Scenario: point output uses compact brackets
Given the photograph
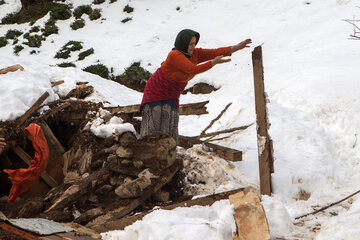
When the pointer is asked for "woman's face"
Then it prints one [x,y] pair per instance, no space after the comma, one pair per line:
[192,45]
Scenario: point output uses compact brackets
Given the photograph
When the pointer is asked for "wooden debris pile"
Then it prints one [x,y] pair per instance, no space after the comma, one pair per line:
[91,180]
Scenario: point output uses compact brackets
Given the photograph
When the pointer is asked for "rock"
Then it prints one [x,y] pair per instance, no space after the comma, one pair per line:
[126,162]
[103,189]
[138,164]
[112,158]
[127,138]
[134,188]
[89,215]
[124,152]
[161,196]
[157,151]
[111,149]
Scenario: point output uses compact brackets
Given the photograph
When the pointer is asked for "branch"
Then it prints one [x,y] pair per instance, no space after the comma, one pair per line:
[332,204]
[214,120]
[223,131]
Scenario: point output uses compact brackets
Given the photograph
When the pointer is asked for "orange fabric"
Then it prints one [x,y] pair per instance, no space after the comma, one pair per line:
[22,178]
[177,67]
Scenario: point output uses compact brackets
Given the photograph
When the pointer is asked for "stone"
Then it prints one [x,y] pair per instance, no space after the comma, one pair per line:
[134,188]
[124,152]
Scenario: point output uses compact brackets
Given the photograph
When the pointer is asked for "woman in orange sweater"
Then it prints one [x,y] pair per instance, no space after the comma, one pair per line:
[160,103]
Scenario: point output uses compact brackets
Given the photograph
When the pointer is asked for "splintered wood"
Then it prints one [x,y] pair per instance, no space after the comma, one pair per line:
[250,217]
[13,68]
[265,149]
[223,152]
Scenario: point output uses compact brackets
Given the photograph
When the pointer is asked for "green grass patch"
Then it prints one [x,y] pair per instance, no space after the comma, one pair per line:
[125,20]
[12,34]
[2,2]
[34,40]
[17,49]
[35,29]
[96,14]
[66,64]
[69,47]
[85,53]
[78,23]
[98,2]
[134,77]
[112,1]
[35,11]
[98,69]
[60,12]
[50,28]
[3,42]
[83,9]
[128,9]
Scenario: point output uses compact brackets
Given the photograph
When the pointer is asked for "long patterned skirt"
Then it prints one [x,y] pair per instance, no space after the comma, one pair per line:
[161,116]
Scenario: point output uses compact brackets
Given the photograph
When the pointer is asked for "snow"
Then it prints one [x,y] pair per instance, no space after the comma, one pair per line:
[310,79]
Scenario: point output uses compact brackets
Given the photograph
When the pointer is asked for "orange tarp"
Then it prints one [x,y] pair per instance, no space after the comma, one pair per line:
[22,178]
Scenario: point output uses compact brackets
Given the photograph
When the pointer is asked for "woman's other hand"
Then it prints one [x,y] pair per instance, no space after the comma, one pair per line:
[220,59]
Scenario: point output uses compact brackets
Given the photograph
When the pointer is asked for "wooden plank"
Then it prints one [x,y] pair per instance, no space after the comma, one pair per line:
[98,223]
[265,151]
[77,190]
[223,152]
[27,159]
[12,68]
[31,110]
[51,138]
[57,109]
[54,84]
[249,217]
[120,224]
[193,108]
[184,109]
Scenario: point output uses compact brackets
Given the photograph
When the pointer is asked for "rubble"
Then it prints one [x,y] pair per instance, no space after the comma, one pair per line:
[95,177]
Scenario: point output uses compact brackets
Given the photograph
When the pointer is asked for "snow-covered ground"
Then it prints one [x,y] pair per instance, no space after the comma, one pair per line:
[310,69]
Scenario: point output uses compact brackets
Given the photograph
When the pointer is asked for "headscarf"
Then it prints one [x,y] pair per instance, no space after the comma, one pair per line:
[183,39]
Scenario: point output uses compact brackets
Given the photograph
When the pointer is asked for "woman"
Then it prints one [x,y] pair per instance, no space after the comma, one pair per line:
[160,103]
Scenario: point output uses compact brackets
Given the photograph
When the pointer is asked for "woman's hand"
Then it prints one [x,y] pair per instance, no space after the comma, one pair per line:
[220,59]
[241,45]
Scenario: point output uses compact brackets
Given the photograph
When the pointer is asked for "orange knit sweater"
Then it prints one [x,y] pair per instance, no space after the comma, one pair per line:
[177,67]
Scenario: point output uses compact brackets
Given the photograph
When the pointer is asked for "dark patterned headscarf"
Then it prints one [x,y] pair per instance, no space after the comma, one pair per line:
[183,39]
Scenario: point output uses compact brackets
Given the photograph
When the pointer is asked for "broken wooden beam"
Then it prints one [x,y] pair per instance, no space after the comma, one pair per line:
[32,109]
[27,159]
[120,224]
[98,223]
[265,150]
[12,68]
[54,84]
[77,190]
[223,131]
[250,218]
[223,152]
[185,109]
[51,138]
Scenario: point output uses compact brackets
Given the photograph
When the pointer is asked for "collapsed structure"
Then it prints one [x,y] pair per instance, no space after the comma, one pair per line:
[90,180]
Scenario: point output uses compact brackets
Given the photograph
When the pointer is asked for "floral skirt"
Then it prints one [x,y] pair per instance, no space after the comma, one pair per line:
[160,116]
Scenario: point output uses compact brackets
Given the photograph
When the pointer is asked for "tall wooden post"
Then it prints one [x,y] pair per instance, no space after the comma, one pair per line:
[264,141]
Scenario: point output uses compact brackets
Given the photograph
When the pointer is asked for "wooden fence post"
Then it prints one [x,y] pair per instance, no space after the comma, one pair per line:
[264,141]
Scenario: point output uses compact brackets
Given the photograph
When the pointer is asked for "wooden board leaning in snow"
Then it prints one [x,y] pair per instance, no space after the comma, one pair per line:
[249,216]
